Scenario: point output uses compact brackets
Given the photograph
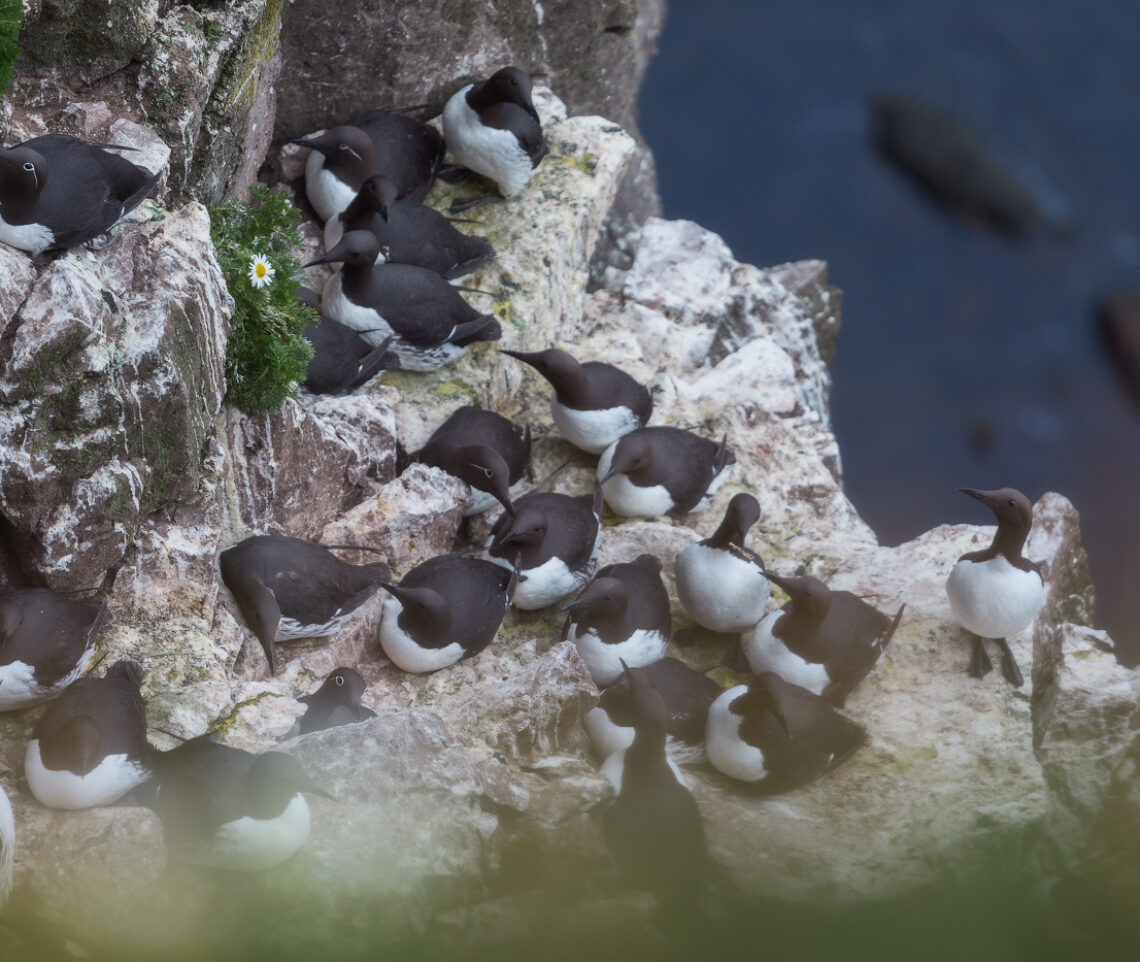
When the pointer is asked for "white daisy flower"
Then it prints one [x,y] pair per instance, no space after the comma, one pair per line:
[260,271]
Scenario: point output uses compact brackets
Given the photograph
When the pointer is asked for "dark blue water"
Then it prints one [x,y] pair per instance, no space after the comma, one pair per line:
[965,359]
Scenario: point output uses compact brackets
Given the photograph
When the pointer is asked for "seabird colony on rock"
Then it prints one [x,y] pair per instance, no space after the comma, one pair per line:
[391,304]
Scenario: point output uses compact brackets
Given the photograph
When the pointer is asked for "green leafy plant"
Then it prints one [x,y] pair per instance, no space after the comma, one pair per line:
[11,12]
[257,246]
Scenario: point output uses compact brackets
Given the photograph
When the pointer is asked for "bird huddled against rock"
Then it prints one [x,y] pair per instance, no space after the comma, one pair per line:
[554,540]
[429,320]
[663,470]
[409,233]
[484,449]
[90,745]
[57,192]
[720,583]
[823,640]
[492,128]
[46,642]
[777,736]
[226,808]
[335,703]
[448,607]
[288,588]
[621,618]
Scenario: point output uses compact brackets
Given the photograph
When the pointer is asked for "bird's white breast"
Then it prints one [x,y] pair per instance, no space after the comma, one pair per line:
[33,238]
[489,151]
[19,689]
[107,782]
[626,498]
[641,648]
[402,649]
[593,431]
[484,501]
[253,844]
[365,320]
[719,590]
[766,652]
[328,194]
[994,599]
[725,748]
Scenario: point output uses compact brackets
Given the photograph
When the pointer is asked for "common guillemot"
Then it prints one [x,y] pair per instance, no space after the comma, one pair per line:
[777,736]
[484,449]
[621,618]
[46,642]
[380,141]
[555,538]
[287,588]
[997,593]
[335,703]
[342,360]
[594,403]
[653,828]
[448,607]
[57,191]
[226,808]
[663,470]
[688,694]
[409,233]
[90,745]
[720,583]
[431,322]
[492,128]
[822,640]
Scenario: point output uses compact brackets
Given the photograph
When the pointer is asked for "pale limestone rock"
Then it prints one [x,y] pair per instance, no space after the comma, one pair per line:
[16,279]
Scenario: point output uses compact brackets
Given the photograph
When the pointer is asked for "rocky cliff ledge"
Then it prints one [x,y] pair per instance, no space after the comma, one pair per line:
[467,807]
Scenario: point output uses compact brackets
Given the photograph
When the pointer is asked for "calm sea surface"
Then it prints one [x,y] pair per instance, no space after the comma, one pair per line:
[966,359]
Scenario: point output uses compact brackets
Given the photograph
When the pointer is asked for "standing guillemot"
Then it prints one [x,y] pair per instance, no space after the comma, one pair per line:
[448,607]
[777,736]
[227,808]
[409,233]
[342,360]
[46,642]
[997,592]
[492,128]
[822,640]
[287,588]
[58,192]
[405,150]
[555,538]
[484,449]
[594,403]
[653,828]
[720,583]
[662,470]
[688,694]
[431,322]
[90,745]
[336,702]
[621,618]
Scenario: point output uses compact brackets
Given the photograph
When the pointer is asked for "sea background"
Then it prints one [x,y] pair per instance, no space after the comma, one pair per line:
[966,358]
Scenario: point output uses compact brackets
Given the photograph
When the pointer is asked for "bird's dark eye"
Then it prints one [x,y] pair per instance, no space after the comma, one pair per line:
[487,472]
[343,147]
[1012,503]
[29,166]
[340,679]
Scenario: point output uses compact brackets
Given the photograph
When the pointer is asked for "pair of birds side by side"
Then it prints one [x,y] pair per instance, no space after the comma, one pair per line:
[58,192]
[490,127]
[644,471]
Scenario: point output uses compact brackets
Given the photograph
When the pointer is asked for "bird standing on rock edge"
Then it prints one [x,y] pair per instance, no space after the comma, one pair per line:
[997,592]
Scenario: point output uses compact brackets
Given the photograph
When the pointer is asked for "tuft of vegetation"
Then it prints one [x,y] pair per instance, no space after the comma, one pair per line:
[11,13]
[267,352]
